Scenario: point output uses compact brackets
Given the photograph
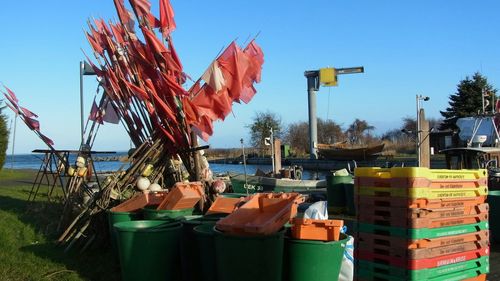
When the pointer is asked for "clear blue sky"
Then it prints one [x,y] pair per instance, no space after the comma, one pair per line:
[407,48]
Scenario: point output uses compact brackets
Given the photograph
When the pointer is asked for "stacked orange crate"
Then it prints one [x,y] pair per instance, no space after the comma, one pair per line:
[421,224]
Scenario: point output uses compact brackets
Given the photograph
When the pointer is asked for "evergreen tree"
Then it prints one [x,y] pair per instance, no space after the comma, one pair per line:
[4,137]
[467,100]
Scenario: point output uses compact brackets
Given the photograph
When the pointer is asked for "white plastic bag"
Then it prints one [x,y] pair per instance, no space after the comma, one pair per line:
[317,211]
[347,267]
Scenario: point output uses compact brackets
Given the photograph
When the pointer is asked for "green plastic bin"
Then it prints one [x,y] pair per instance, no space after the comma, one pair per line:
[314,260]
[114,217]
[494,215]
[149,250]
[350,207]
[189,245]
[206,256]
[336,193]
[150,213]
[249,258]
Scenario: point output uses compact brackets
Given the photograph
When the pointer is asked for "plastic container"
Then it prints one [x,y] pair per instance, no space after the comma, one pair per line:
[398,202]
[314,260]
[190,247]
[481,264]
[422,233]
[149,250]
[204,235]
[335,191]
[494,202]
[423,192]
[466,275]
[263,214]
[403,243]
[424,253]
[368,255]
[152,213]
[350,206]
[249,258]
[140,201]
[323,230]
[431,175]
[115,217]
[225,205]
[183,196]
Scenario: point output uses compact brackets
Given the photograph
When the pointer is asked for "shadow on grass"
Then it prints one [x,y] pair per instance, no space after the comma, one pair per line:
[95,263]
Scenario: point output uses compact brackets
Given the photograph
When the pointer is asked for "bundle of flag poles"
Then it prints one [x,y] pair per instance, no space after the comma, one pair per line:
[145,90]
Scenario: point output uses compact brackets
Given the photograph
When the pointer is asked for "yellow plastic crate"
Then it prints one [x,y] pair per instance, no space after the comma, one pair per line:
[414,172]
[428,193]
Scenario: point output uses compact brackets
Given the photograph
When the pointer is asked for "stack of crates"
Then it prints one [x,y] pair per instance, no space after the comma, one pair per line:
[421,224]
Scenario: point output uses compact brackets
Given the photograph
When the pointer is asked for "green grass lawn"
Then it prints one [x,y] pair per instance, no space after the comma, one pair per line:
[28,233]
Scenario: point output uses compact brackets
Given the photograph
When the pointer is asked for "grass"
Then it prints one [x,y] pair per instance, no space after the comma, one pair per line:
[28,233]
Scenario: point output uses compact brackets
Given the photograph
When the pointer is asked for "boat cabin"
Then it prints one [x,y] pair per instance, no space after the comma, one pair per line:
[472,157]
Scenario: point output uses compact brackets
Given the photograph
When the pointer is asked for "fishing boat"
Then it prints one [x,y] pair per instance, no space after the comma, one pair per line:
[341,152]
[241,183]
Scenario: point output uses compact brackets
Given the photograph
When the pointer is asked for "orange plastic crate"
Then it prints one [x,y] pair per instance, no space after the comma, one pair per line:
[481,277]
[263,214]
[182,196]
[309,229]
[225,205]
[140,201]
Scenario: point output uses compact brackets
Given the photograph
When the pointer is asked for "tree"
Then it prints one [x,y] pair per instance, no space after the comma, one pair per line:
[467,100]
[356,131]
[260,128]
[4,137]
[297,134]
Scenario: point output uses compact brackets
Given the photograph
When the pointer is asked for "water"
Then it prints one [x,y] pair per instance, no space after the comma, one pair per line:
[34,160]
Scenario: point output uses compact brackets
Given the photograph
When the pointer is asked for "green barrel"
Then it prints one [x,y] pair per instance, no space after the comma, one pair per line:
[314,260]
[249,258]
[189,246]
[149,250]
[494,215]
[150,213]
[205,237]
[349,198]
[335,192]
[114,217]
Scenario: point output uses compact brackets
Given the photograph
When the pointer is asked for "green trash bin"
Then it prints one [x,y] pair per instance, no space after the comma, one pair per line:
[494,215]
[114,217]
[336,194]
[150,213]
[206,256]
[249,258]
[149,250]
[349,199]
[314,260]
[190,247]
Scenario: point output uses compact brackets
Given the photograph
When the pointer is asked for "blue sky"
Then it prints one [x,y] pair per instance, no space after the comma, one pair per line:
[407,48]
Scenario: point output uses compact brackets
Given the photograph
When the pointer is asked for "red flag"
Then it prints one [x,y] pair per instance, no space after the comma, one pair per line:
[12,95]
[234,64]
[96,46]
[12,108]
[28,113]
[213,77]
[143,9]
[247,93]
[123,14]
[110,114]
[46,139]
[139,92]
[167,23]
[95,114]
[256,59]
[9,98]
[33,124]
[118,33]
[153,41]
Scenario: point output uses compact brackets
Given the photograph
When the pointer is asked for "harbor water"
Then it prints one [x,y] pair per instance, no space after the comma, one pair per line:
[33,161]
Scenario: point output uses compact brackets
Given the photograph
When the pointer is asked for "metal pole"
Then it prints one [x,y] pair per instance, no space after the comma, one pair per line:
[272,149]
[313,122]
[81,100]
[244,164]
[418,131]
[13,143]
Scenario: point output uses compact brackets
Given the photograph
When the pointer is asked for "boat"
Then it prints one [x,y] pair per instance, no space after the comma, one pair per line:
[242,183]
[341,152]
